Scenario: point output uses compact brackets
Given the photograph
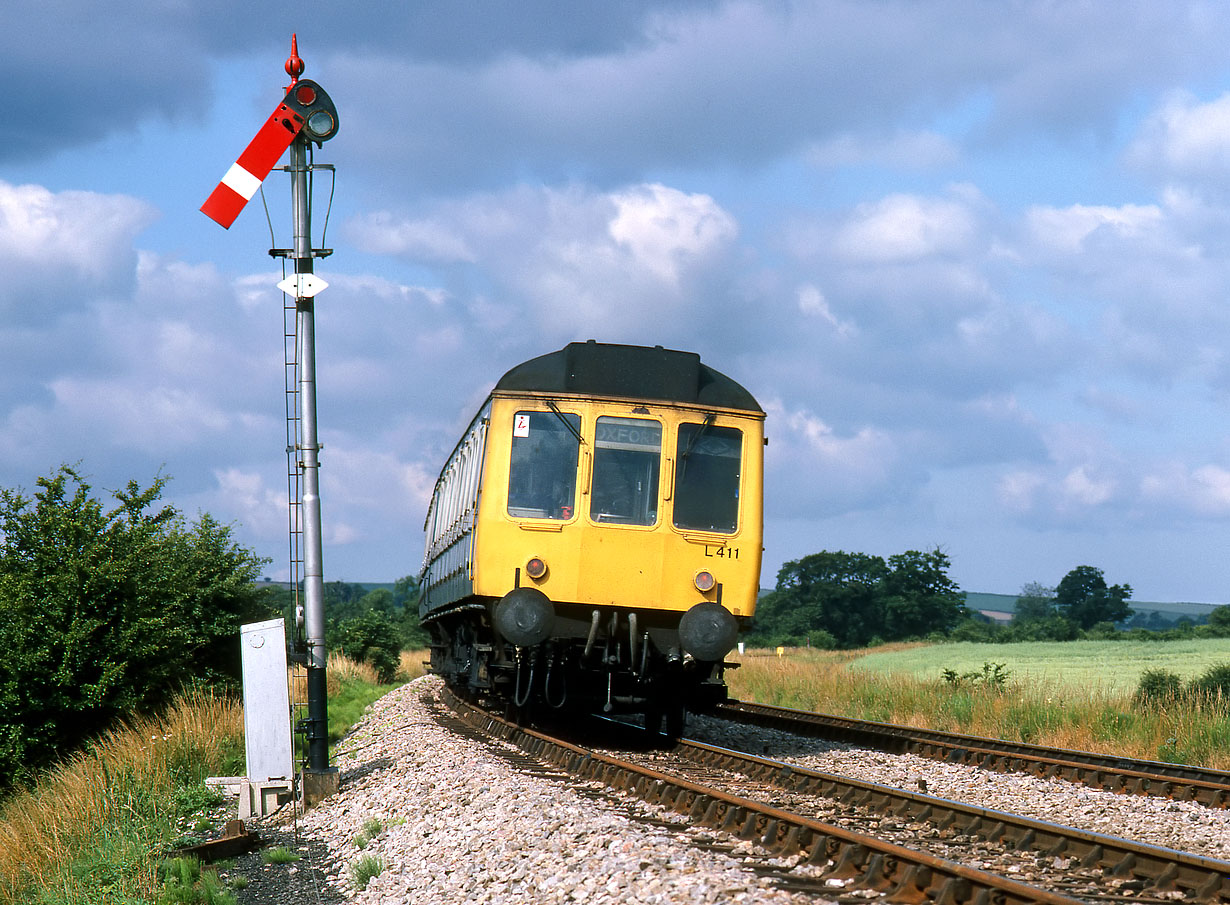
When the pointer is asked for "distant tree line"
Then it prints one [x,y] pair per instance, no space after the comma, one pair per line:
[847,600]
[369,626]
[1083,605]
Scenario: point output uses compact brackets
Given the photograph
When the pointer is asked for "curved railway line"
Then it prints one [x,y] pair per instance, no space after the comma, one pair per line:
[837,836]
[1117,774]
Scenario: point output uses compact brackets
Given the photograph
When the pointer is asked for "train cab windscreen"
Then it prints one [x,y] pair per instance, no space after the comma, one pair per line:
[707,467]
[627,462]
[542,476]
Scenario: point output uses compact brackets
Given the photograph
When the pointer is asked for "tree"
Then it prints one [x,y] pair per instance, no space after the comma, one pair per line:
[835,592]
[1219,619]
[406,592]
[343,600]
[919,596]
[373,639]
[1036,603]
[1084,597]
[856,597]
[108,612]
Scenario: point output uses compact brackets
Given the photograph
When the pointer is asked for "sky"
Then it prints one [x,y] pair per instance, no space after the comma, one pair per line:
[972,259]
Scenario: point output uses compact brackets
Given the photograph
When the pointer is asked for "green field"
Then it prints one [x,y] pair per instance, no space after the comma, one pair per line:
[1093,665]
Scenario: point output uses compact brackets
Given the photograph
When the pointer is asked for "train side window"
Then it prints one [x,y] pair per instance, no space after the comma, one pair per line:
[542,476]
[707,469]
[627,464]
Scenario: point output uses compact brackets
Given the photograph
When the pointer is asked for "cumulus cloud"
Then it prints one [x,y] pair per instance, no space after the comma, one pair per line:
[575,262]
[667,231]
[1200,491]
[1187,138]
[820,470]
[1068,229]
[812,303]
[1060,495]
[1161,493]
[742,84]
[432,242]
[905,228]
[58,249]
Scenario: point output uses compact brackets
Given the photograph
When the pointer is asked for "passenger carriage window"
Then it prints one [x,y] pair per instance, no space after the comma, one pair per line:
[707,477]
[542,476]
[627,462]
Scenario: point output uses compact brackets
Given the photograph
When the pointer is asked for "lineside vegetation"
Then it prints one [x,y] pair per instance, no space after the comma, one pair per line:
[94,829]
[996,701]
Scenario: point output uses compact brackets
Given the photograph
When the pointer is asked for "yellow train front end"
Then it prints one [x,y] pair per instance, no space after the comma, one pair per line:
[615,546]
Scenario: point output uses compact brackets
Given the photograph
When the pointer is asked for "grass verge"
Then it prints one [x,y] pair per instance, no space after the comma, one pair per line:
[92,831]
[1041,711]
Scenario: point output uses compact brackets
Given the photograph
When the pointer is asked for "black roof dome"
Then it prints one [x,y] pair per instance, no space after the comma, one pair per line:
[637,372]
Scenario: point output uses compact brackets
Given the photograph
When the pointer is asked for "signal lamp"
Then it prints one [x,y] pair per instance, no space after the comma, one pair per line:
[321,125]
[311,105]
[705,582]
[536,568]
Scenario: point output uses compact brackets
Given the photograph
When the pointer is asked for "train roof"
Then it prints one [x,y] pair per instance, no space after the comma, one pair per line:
[637,372]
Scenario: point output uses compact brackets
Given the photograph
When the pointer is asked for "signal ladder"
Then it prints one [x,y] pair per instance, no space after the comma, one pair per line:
[294,499]
[296,517]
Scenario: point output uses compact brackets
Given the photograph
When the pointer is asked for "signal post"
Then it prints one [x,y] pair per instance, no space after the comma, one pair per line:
[305,116]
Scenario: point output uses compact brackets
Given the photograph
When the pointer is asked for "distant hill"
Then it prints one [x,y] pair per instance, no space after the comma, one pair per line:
[1000,607]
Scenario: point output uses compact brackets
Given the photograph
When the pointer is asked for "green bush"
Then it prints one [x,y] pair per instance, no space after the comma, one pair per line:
[107,613]
[1158,686]
[280,855]
[1213,685]
[992,675]
[375,640]
[185,884]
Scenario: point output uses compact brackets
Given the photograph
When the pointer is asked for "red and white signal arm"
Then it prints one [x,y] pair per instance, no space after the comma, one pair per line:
[306,109]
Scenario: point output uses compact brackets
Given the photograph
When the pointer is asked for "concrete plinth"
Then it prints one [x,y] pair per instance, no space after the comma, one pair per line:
[260,799]
[318,785]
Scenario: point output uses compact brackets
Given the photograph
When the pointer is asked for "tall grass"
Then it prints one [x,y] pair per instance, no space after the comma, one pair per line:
[354,686]
[1038,711]
[91,830]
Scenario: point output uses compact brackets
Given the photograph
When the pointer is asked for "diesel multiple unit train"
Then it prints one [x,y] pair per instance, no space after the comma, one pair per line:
[594,539]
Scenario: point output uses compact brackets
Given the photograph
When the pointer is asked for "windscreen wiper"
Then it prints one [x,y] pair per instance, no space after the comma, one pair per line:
[683,457]
[564,421]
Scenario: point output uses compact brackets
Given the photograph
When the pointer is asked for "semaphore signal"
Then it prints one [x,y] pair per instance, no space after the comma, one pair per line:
[305,116]
[306,110]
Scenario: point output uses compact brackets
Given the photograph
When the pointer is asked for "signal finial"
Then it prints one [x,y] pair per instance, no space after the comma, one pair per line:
[294,63]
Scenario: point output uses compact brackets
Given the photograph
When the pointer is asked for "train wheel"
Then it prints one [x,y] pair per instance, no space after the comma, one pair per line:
[674,720]
[672,711]
[653,721]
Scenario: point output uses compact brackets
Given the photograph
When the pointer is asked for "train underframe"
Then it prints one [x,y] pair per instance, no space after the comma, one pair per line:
[599,659]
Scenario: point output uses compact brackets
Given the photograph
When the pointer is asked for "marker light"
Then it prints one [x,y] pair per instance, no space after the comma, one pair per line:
[321,124]
[535,568]
[704,582]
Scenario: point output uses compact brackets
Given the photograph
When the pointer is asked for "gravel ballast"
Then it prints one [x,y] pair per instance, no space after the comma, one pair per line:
[460,822]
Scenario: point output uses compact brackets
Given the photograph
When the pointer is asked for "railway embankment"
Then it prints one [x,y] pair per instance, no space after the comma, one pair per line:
[429,815]
[460,820]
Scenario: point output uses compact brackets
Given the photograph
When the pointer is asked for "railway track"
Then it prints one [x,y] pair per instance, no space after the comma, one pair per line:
[1118,774]
[907,847]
